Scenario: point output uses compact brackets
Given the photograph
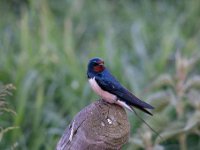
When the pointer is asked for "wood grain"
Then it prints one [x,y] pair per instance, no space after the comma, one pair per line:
[98,126]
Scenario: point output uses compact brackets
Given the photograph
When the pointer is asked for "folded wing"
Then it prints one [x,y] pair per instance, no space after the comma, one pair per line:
[110,84]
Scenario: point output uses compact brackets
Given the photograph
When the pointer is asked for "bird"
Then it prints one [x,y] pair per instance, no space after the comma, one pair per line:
[104,84]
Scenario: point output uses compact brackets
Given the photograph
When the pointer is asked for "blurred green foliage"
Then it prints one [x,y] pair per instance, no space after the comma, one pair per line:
[45,46]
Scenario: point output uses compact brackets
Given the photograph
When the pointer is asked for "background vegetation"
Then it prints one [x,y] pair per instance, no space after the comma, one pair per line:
[151,46]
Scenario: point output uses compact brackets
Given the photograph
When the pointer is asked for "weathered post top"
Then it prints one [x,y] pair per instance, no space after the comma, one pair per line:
[98,126]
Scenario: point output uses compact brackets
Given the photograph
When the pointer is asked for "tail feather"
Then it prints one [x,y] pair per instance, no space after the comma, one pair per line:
[143,109]
[124,104]
[156,132]
[134,101]
[130,107]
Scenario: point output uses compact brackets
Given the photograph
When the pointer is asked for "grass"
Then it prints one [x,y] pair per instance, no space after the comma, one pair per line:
[45,46]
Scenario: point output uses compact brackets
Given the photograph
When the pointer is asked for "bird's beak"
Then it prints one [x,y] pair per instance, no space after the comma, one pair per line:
[101,63]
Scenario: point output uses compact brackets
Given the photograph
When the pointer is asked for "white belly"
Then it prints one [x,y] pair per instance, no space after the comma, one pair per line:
[104,94]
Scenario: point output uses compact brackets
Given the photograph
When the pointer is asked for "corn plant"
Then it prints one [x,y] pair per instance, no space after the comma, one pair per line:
[177,100]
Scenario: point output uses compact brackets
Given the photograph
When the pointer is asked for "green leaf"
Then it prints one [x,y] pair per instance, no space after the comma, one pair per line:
[164,80]
[193,122]
[193,98]
[160,99]
[173,130]
[193,82]
[137,141]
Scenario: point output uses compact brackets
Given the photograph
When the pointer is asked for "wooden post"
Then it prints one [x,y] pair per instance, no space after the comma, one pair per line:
[98,126]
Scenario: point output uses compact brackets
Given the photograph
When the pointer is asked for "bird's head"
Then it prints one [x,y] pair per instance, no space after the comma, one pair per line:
[95,66]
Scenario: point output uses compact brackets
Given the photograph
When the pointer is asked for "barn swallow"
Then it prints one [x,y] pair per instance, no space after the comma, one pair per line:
[107,87]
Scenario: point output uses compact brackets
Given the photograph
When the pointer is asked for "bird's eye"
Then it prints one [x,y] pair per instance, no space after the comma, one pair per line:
[96,64]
